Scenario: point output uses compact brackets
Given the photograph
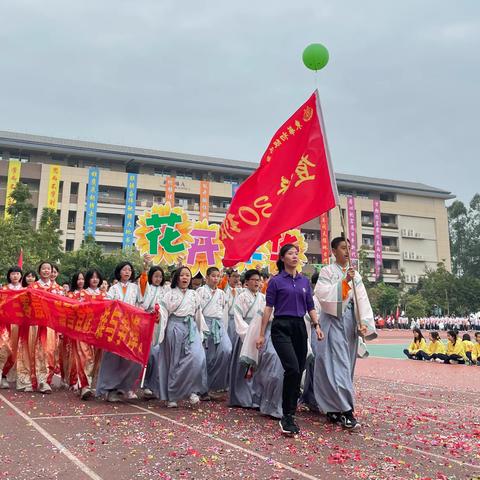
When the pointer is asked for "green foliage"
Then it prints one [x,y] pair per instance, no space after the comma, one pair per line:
[464,227]
[415,306]
[384,298]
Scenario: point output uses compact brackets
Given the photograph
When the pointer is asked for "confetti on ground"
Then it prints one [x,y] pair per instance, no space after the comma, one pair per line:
[419,421]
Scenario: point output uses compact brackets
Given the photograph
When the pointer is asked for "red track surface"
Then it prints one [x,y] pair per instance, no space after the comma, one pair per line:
[419,420]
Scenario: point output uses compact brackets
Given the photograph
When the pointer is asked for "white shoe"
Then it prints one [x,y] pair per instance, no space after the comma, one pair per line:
[172,405]
[114,397]
[131,395]
[194,398]
[45,388]
[86,393]
[148,394]
[453,362]
[4,384]
[439,360]
[28,389]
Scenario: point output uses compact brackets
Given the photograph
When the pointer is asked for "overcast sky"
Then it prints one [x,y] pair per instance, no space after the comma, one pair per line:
[400,94]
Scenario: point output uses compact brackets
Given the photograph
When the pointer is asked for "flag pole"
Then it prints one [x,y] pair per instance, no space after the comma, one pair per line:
[356,311]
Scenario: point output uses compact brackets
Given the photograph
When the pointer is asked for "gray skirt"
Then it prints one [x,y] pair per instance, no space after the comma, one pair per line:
[240,389]
[218,350]
[117,373]
[335,363]
[268,380]
[232,332]
[181,362]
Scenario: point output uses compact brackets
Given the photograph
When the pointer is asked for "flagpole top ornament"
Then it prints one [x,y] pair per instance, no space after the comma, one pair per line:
[315,56]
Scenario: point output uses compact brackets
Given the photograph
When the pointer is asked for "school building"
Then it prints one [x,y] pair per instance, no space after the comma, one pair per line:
[414,226]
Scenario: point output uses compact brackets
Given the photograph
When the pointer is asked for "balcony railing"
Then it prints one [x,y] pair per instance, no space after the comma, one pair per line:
[109,228]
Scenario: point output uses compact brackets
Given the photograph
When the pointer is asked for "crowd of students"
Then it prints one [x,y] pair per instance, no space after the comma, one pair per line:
[457,351]
[208,340]
[472,322]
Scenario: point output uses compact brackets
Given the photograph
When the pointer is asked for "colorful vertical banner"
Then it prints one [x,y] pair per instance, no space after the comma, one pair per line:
[170,190]
[204,199]
[377,237]
[92,202]
[13,177]
[324,240]
[53,186]
[130,204]
[352,229]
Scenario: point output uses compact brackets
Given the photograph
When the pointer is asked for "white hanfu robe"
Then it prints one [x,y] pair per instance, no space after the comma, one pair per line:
[218,347]
[118,373]
[247,307]
[231,294]
[337,353]
[267,381]
[182,366]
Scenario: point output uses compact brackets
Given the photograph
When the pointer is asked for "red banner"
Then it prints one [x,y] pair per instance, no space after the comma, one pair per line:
[107,324]
[170,190]
[294,183]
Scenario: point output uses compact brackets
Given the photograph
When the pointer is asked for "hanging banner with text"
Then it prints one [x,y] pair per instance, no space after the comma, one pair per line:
[204,199]
[377,238]
[170,190]
[352,229]
[130,204]
[13,177]
[324,239]
[92,202]
[53,187]
[110,325]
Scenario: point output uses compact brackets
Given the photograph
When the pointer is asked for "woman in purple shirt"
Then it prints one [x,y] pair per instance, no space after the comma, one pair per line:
[289,295]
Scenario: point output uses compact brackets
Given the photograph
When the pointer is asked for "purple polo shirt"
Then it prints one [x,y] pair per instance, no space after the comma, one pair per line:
[289,296]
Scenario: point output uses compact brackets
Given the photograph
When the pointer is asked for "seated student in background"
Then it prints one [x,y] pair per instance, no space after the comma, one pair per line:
[435,346]
[418,344]
[468,345]
[455,350]
[476,350]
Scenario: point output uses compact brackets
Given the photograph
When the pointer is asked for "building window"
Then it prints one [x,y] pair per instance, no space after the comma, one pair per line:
[69,245]
[388,197]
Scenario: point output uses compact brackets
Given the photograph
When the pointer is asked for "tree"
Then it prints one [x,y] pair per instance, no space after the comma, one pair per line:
[48,244]
[415,306]
[384,298]
[21,209]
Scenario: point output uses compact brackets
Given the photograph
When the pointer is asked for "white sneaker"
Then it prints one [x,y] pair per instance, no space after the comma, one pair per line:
[4,384]
[114,397]
[453,362]
[45,388]
[148,394]
[172,405]
[439,360]
[194,398]
[131,395]
[86,393]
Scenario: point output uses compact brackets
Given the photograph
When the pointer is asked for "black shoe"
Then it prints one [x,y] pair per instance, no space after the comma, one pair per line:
[334,417]
[349,421]
[288,425]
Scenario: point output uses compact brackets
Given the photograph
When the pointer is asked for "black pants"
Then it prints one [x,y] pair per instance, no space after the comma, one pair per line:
[289,338]
[411,356]
[421,355]
[447,358]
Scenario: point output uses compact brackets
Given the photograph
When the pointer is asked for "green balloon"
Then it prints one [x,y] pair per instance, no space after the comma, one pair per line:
[315,56]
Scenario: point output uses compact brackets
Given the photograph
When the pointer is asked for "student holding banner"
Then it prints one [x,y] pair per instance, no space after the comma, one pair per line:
[218,347]
[9,334]
[336,356]
[118,375]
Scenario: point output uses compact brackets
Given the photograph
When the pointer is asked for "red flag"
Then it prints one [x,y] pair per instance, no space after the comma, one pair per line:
[20,259]
[294,183]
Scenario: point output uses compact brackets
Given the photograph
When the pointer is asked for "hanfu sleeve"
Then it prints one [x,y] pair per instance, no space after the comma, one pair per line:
[329,293]
[239,311]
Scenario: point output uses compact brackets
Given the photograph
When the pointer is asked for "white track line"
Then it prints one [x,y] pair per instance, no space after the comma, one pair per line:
[61,448]
[229,444]
[59,417]
[422,452]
